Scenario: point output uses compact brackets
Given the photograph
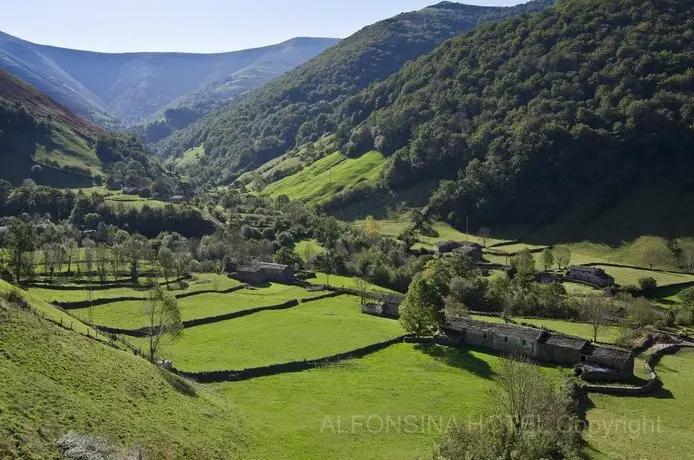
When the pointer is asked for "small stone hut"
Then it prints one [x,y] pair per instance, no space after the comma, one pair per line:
[473,250]
[444,247]
[387,306]
[591,275]
[264,272]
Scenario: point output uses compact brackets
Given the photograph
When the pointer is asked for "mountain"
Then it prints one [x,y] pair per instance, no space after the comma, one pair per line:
[35,130]
[526,117]
[294,107]
[44,141]
[132,88]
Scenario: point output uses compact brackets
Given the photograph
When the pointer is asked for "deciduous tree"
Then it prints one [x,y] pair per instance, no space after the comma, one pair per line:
[164,318]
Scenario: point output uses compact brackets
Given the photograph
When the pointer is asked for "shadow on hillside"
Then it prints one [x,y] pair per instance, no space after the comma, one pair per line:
[179,384]
[458,357]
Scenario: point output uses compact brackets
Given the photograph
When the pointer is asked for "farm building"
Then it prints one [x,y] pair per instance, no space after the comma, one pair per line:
[387,306]
[177,199]
[591,275]
[445,246]
[541,345]
[473,250]
[263,272]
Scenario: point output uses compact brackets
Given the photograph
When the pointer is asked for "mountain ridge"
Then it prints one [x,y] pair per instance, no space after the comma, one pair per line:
[132,87]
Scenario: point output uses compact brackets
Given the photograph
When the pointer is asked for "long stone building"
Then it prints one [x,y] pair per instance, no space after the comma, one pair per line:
[599,362]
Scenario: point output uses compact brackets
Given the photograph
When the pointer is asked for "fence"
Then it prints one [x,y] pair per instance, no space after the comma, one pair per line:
[292,366]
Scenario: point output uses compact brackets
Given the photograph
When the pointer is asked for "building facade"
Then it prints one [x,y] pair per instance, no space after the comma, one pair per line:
[540,345]
[591,275]
[264,272]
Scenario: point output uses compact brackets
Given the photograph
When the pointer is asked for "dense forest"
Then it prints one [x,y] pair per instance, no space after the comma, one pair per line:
[297,106]
[524,115]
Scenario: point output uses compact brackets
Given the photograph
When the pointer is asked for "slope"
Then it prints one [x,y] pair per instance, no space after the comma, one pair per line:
[527,117]
[294,108]
[35,130]
[134,87]
[56,381]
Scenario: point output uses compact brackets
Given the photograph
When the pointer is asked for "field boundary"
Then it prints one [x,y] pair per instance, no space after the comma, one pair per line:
[288,367]
[654,383]
[81,304]
[100,286]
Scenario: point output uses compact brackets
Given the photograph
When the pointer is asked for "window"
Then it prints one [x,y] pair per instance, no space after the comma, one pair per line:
[506,339]
[524,342]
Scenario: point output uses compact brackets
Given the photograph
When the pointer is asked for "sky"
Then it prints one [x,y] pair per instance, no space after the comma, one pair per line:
[199,26]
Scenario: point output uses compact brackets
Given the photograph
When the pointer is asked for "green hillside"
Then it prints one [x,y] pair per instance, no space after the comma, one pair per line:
[320,181]
[295,107]
[529,116]
[56,381]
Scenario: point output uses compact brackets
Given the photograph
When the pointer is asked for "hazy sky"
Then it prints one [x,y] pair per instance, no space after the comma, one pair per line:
[193,25]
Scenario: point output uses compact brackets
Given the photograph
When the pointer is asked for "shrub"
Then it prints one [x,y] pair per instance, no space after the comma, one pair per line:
[687,296]
[684,318]
[648,284]
[15,297]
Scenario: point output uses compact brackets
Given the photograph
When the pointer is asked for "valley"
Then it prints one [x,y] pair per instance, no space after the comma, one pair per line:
[460,232]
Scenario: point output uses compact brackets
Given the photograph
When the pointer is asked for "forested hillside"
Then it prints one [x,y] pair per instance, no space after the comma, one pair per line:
[526,115]
[298,106]
[43,141]
[130,88]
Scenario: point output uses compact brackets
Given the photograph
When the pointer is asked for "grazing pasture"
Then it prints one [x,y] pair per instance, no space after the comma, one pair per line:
[310,414]
[311,330]
[652,427]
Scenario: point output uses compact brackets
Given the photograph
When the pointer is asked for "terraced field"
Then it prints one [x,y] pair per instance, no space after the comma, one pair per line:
[311,330]
[130,314]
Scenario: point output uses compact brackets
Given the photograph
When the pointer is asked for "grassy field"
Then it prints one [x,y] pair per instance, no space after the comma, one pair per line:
[190,157]
[311,330]
[55,381]
[389,227]
[319,181]
[626,276]
[200,282]
[49,311]
[340,281]
[130,314]
[441,231]
[134,201]
[431,385]
[649,428]
[68,151]
[607,334]
[308,248]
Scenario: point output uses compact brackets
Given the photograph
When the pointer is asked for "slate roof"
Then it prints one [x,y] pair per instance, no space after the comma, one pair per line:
[458,324]
[612,354]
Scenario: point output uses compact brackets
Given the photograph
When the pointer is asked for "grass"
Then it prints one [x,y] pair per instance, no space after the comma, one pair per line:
[431,385]
[649,427]
[311,330]
[201,281]
[56,381]
[345,282]
[389,227]
[308,249]
[130,314]
[190,157]
[606,334]
[49,311]
[626,276]
[321,180]
[68,151]
[441,231]
[134,201]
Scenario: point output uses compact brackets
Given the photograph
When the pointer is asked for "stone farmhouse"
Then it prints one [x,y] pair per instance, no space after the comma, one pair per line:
[264,272]
[387,306]
[474,250]
[591,275]
[596,361]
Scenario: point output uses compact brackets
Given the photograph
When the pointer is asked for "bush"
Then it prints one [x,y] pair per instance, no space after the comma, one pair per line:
[648,284]
[687,296]
[15,297]
[684,318]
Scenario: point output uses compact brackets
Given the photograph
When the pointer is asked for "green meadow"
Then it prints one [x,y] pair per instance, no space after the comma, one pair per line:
[311,330]
[399,399]
[55,381]
[321,180]
[200,282]
[650,428]
[130,314]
